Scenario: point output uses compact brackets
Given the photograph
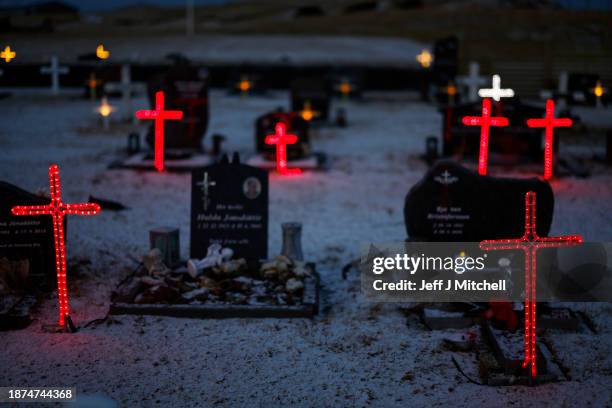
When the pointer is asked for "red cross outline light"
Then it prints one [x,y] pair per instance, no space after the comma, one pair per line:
[281,139]
[57,209]
[529,243]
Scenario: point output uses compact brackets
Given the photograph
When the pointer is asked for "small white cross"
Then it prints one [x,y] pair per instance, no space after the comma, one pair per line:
[496,92]
[472,81]
[126,87]
[205,184]
[55,70]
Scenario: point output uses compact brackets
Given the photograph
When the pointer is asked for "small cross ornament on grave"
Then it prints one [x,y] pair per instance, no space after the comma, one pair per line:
[599,92]
[55,70]
[424,58]
[496,92]
[57,209]
[205,185]
[281,139]
[7,54]
[126,87]
[159,115]
[549,122]
[485,122]
[472,81]
[529,243]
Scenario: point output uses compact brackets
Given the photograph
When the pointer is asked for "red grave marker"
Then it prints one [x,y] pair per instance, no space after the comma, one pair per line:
[57,209]
[549,122]
[485,122]
[529,243]
[159,115]
[281,139]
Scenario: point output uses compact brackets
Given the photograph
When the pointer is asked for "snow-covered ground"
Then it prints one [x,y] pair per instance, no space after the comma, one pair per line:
[354,353]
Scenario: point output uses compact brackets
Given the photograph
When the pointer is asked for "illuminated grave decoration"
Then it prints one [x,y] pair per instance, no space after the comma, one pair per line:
[159,115]
[244,85]
[425,59]
[294,123]
[485,121]
[312,97]
[345,87]
[496,92]
[127,88]
[57,210]
[7,54]
[441,206]
[580,87]
[529,243]
[472,81]
[599,91]
[549,122]
[281,139]
[55,70]
[450,93]
[101,53]
[105,111]
[93,84]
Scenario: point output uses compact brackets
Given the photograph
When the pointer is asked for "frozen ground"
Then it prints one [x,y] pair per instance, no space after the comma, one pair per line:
[353,354]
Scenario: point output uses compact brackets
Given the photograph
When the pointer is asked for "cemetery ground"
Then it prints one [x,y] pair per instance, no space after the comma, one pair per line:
[354,353]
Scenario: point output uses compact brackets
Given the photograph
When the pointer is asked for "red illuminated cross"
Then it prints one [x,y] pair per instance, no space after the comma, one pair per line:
[159,115]
[549,123]
[485,121]
[281,139]
[530,242]
[57,210]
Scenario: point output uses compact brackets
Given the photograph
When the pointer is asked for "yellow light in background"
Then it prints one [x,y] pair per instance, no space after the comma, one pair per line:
[7,55]
[307,113]
[599,90]
[244,85]
[105,109]
[101,52]
[425,58]
[345,87]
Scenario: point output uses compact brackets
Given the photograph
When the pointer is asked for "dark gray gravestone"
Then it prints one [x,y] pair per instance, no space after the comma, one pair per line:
[452,203]
[26,241]
[229,206]
[313,90]
[266,124]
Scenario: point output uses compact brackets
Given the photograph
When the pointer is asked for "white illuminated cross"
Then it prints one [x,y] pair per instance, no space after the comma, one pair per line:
[496,92]
[472,81]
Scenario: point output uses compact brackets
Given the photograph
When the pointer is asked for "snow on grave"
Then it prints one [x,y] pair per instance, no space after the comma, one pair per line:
[299,154]
[312,97]
[27,257]
[228,275]
[508,144]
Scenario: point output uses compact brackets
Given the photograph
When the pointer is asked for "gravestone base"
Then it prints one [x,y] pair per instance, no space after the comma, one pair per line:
[173,162]
[314,161]
[308,307]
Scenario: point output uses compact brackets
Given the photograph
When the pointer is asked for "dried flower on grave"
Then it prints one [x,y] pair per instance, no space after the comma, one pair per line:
[153,262]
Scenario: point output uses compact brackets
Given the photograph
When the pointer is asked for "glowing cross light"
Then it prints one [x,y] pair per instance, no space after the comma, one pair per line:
[55,70]
[92,84]
[599,92]
[105,110]
[485,122]
[424,58]
[281,139]
[496,92]
[244,85]
[529,243]
[549,123]
[101,52]
[57,210]
[307,113]
[345,87]
[7,54]
[472,81]
[159,115]
[451,91]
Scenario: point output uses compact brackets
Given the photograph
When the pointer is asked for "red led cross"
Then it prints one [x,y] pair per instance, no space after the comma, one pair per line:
[57,210]
[530,242]
[549,123]
[485,122]
[159,115]
[281,139]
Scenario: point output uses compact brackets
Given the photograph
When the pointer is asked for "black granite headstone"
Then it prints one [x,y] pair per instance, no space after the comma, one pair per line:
[229,206]
[265,125]
[26,240]
[454,204]
[515,143]
[315,91]
[446,59]
[186,89]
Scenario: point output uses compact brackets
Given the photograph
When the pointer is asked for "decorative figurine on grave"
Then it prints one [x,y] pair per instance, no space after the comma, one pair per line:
[313,94]
[294,123]
[186,89]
